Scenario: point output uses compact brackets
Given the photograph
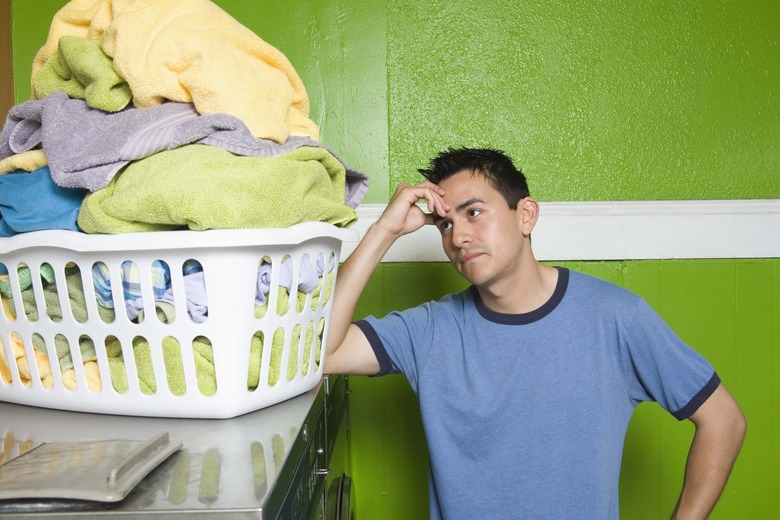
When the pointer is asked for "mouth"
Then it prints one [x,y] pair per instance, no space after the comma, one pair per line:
[467,258]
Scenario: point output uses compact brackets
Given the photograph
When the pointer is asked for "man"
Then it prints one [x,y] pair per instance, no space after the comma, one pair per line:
[527,379]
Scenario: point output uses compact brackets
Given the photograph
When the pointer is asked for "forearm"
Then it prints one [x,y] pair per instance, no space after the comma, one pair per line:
[714,449]
[706,474]
[350,352]
[353,276]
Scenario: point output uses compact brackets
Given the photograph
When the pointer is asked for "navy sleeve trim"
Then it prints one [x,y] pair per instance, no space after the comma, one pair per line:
[385,363]
[698,399]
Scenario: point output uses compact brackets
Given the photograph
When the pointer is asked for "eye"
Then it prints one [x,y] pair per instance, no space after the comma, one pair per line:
[473,212]
[445,225]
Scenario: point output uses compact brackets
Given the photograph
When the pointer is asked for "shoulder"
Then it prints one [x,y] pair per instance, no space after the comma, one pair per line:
[449,307]
[585,285]
[597,297]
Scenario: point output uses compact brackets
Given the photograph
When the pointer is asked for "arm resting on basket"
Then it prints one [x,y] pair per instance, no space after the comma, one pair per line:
[349,352]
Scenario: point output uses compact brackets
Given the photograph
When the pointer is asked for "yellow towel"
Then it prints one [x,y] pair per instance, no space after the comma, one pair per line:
[91,370]
[191,51]
[28,161]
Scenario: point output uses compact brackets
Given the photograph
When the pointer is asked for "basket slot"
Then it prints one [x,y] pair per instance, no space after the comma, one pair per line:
[256,361]
[103,367]
[189,290]
[173,376]
[54,304]
[6,298]
[114,367]
[295,352]
[203,375]
[54,367]
[117,297]
[32,303]
[93,384]
[137,291]
[278,299]
[98,294]
[279,356]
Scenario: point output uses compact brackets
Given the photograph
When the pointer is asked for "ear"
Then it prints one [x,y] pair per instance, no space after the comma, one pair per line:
[528,214]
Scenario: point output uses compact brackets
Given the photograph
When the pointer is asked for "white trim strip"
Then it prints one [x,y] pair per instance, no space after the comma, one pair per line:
[635,230]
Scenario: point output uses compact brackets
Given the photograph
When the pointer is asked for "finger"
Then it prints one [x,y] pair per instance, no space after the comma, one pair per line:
[437,205]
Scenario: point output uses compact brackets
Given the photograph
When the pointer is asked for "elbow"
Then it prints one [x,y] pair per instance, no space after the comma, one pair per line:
[740,426]
[734,429]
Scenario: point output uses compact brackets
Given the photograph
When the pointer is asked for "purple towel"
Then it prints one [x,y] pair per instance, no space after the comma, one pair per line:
[22,129]
[86,147]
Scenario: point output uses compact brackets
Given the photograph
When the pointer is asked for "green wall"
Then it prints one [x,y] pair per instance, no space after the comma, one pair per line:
[596,100]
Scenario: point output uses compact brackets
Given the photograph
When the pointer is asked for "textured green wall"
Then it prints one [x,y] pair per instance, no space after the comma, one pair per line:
[597,100]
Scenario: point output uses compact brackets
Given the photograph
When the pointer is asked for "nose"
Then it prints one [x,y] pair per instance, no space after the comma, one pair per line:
[460,235]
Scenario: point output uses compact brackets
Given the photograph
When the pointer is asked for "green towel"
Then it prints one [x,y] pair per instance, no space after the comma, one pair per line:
[75,291]
[24,278]
[205,187]
[82,70]
[174,369]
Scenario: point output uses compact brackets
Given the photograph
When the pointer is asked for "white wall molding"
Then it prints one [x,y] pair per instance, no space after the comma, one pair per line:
[616,230]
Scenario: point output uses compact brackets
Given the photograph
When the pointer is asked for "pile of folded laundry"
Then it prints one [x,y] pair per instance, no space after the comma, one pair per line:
[158,115]
[165,114]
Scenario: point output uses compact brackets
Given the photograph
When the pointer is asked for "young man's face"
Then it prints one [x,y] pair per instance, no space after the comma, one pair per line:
[481,235]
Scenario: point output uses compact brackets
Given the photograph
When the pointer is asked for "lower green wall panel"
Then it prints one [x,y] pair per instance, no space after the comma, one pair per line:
[729,310]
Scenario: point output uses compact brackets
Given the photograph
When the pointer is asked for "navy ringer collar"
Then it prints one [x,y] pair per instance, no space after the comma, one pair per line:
[527,317]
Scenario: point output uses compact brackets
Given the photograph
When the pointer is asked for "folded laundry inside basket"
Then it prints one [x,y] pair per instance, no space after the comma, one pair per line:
[194,288]
[311,284]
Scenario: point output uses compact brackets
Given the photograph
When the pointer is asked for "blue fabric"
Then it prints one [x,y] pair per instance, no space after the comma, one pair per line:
[161,287]
[526,415]
[32,202]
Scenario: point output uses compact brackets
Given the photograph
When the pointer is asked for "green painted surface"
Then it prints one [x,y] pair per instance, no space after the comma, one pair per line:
[597,101]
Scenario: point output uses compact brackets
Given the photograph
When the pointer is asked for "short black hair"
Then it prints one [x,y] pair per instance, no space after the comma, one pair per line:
[496,166]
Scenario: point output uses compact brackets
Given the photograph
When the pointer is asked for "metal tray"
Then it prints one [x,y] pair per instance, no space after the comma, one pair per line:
[102,471]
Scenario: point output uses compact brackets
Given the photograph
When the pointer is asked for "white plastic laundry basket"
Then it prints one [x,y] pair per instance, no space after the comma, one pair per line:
[206,324]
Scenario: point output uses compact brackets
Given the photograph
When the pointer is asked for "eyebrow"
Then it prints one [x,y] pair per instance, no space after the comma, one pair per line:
[463,205]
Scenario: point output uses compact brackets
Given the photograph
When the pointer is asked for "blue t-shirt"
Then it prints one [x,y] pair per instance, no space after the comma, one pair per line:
[525,414]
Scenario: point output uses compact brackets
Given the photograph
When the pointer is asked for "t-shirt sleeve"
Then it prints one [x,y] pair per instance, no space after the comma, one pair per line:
[401,340]
[661,367]
[385,363]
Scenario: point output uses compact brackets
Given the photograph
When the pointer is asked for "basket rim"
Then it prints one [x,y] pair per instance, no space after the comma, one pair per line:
[175,239]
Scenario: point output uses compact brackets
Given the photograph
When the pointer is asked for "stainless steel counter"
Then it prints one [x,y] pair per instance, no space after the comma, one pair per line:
[267,464]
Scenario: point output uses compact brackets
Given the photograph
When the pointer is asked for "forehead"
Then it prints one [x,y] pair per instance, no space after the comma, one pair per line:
[467,185]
